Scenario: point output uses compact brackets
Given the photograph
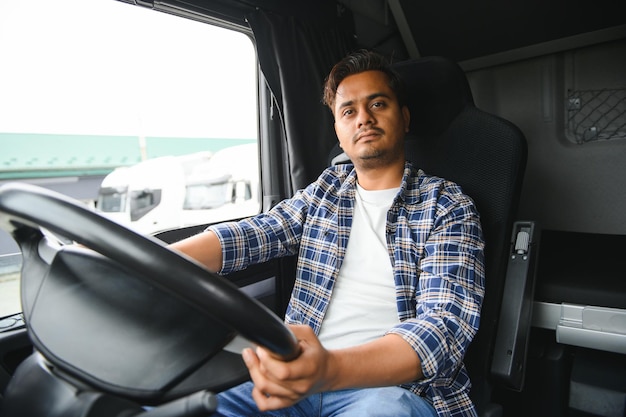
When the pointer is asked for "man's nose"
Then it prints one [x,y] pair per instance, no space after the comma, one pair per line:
[365,117]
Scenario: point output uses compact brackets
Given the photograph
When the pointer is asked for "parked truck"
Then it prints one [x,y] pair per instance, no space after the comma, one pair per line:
[177,191]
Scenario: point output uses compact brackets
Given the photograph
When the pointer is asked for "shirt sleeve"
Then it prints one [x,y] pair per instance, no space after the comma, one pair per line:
[262,237]
[450,290]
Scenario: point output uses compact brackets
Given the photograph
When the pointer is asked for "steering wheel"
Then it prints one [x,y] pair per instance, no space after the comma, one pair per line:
[121,312]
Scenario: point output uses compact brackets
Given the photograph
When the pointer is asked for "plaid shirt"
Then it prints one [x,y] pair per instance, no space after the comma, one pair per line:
[435,244]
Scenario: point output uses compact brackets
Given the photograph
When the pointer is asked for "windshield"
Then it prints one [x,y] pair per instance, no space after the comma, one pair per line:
[206,196]
[112,200]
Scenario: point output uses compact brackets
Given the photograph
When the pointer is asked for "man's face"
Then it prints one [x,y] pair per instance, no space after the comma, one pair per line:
[369,122]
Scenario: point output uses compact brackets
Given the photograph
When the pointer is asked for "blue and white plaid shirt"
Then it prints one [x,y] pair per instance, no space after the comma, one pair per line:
[435,242]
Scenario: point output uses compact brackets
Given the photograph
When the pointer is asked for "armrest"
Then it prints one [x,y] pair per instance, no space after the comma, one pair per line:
[508,365]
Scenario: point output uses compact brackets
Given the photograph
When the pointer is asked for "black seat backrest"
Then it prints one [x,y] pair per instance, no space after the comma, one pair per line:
[486,155]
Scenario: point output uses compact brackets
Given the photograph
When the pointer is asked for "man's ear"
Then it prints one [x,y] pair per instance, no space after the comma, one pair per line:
[336,135]
[406,114]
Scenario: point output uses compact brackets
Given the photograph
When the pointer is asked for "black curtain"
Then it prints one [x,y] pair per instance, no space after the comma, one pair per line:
[296,51]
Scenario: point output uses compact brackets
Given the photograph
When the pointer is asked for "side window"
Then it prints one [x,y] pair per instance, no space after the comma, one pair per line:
[147,117]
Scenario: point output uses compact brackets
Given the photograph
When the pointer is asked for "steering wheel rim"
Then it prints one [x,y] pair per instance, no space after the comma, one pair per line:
[36,207]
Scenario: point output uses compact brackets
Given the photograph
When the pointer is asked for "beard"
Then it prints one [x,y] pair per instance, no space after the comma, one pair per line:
[373,157]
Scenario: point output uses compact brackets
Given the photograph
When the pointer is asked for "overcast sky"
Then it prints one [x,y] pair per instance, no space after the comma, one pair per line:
[105,67]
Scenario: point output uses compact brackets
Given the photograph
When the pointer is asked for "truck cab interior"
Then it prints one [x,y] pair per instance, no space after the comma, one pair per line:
[521,103]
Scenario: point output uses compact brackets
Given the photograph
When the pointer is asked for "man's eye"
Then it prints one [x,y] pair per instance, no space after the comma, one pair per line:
[347,112]
[378,104]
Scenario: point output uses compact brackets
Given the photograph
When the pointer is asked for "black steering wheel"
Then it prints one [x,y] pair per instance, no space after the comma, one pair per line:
[121,312]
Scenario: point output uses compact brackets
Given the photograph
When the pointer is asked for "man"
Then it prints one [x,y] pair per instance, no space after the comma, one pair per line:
[390,275]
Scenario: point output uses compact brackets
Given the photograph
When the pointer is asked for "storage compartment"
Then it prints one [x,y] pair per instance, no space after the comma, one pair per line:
[582,268]
[581,290]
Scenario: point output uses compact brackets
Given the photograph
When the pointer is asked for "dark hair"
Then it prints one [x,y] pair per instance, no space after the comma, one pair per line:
[355,63]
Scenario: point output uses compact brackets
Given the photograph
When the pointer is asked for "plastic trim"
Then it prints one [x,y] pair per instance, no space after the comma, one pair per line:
[591,327]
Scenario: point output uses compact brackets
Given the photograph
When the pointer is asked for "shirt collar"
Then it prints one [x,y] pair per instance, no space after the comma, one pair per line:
[409,187]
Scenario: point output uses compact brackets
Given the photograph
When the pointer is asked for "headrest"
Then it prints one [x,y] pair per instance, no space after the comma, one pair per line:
[437,90]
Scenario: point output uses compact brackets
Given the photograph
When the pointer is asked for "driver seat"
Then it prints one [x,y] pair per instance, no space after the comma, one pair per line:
[486,155]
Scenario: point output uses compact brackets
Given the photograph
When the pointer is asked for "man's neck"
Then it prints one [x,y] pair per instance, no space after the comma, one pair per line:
[380,178]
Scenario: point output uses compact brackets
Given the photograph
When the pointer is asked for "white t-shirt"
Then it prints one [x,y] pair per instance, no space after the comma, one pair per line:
[363,303]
